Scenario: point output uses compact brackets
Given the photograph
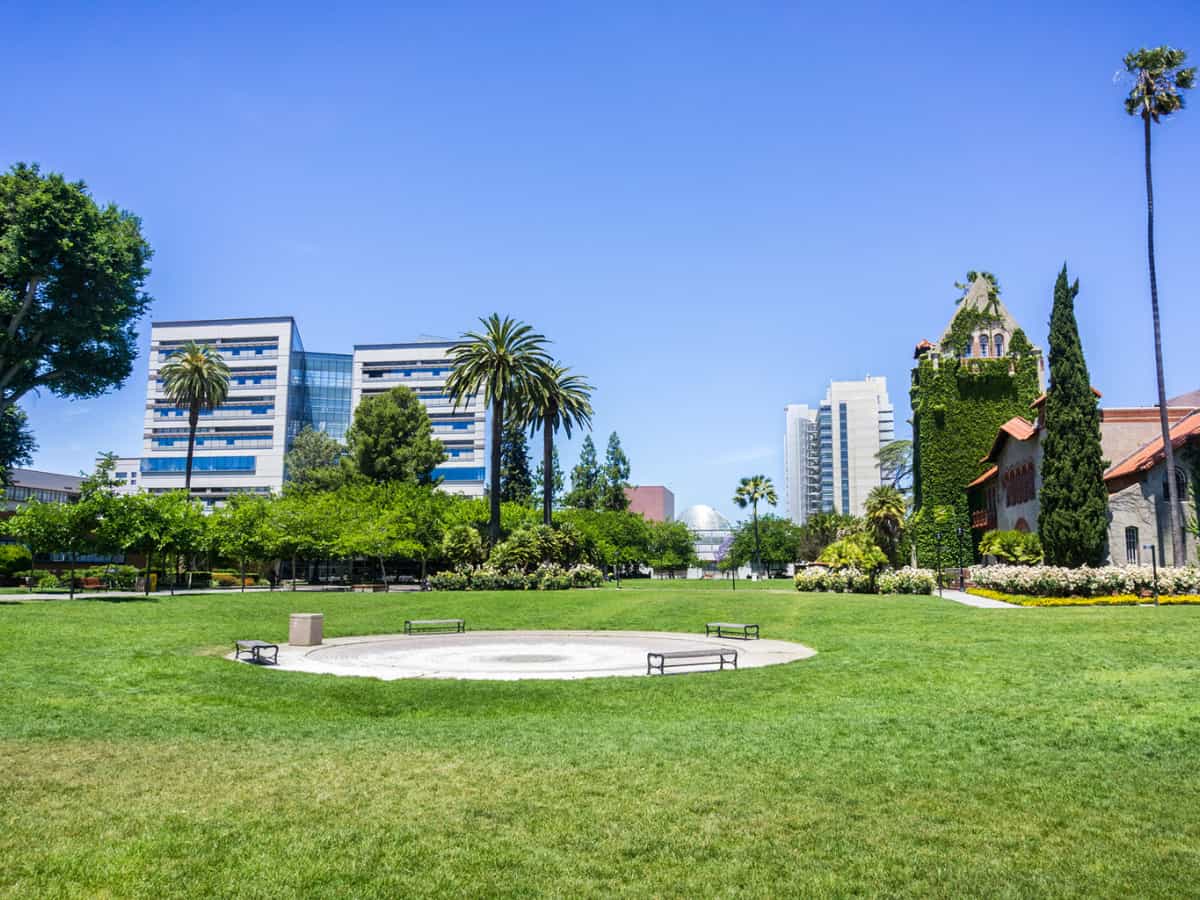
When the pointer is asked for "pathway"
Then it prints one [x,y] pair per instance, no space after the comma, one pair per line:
[971,600]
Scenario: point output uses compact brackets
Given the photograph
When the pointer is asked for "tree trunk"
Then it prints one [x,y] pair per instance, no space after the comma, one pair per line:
[174,572]
[242,563]
[757,552]
[547,469]
[494,499]
[71,576]
[193,419]
[149,560]
[293,571]
[1175,504]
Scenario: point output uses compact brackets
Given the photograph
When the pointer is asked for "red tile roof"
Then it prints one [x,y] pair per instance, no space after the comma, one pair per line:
[985,477]
[1190,400]
[1016,427]
[1149,455]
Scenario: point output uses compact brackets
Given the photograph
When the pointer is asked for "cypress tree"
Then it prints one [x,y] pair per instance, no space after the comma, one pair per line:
[516,479]
[586,478]
[1073,521]
[615,476]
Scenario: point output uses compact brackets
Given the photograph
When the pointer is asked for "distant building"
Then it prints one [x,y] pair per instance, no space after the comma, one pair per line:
[45,487]
[831,453]
[276,390]
[653,501]
[801,462]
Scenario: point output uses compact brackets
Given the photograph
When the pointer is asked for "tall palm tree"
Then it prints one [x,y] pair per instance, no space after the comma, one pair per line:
[560,400]
[1159,81]
[196,377]
[504,362]
[750,491]
[886,508]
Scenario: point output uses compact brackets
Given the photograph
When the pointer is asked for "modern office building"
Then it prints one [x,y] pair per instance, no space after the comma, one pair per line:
[423,365]
[653,502]
[831,453]
[276,389]
[801,462]
[33,484]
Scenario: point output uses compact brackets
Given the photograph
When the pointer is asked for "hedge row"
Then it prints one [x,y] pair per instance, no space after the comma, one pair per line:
[850,580]
[547,577]
[1058,581]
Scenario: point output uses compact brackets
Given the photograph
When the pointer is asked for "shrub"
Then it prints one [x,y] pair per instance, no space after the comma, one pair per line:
[49,580]
[224,579]
[1058,581]
[586,576]
[449,581]
[907,581]
[1012,547]
[858,551]
[552,577]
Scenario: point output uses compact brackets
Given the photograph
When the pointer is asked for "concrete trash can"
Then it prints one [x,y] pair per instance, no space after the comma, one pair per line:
[306,629]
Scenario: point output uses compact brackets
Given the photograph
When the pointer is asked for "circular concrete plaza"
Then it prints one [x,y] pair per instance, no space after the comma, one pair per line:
[512,655]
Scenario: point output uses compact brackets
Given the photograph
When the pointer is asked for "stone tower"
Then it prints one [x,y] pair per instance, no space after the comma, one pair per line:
[981,373]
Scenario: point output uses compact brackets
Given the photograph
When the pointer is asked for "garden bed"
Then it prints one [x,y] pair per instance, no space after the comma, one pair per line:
[1106,600]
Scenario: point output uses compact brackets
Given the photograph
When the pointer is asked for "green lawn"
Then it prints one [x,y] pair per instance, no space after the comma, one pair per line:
[929,748]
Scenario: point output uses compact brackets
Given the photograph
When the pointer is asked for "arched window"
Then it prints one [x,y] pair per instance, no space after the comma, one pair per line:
[998,345]
[983,345]
[970,345]
[1132,546]
[1181,481]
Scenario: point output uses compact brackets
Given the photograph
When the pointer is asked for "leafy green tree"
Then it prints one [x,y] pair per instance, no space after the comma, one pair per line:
[16,442]
[750,492]
[896,464]
[821,530]
[184,529]
[315,460]
[670,547]
[391,439]
[241,530]
[196,377]
[779,540]
[886,510]
[556,480]
[614,476]
[1021,548]
[71,274]
[516,481]
[586,479]
[504,362]
[1159,80]
[560,400]
[1073,517]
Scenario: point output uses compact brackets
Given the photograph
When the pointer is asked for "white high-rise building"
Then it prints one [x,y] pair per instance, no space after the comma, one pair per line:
[801,462]
[831,454]
[423,366]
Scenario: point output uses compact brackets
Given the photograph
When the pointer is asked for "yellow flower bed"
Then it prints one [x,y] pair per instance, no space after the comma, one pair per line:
[1112,600]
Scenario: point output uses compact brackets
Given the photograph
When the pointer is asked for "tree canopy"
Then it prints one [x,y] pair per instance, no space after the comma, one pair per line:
[391,439]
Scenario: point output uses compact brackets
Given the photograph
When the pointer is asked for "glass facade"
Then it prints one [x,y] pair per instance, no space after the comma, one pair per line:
[170,465]
[325,395]
[825,449]
[844,439]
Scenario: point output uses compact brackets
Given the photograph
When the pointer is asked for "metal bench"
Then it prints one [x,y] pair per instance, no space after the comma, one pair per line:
[745,631]
[719,655]
[378,587]
[419,626]
[254,649]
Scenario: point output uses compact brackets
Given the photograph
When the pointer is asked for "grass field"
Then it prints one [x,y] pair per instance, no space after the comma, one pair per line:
[929,748]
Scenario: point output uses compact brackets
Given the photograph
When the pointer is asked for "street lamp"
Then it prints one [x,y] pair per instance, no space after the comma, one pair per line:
[961,578]
[1154,568]
[937,541]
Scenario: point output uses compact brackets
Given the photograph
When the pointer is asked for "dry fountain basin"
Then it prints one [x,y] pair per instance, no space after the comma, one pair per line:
[512,655]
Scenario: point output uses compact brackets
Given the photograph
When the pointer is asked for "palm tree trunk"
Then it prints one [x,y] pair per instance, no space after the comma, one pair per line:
[757,552]
[1175,503]
[547,470]
[193,419]
[494,499]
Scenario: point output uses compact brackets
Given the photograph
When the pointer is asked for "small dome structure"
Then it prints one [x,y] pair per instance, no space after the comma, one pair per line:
[704,518]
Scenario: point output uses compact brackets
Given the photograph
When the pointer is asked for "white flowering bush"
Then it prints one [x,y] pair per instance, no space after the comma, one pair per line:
[1058,581]
[909,580]
[585,575]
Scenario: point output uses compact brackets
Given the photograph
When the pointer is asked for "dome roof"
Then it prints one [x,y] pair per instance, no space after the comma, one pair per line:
[704,518]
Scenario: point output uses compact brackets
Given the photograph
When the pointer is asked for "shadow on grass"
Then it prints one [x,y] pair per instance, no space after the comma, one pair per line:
[130,598]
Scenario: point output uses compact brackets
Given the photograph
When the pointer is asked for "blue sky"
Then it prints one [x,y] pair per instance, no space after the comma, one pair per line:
[712,209]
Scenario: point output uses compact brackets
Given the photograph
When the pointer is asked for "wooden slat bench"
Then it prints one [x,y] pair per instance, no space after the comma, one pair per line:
[418,626]
[254,649]
[660,661]
[745,631]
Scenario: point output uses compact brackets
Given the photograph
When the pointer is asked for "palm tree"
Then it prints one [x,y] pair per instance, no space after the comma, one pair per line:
[561,400]
[750,491]
[885,509]
[505,363]
[196,377]
[1159,80]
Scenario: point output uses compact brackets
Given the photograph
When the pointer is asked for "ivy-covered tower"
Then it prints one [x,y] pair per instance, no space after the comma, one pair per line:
[982,372]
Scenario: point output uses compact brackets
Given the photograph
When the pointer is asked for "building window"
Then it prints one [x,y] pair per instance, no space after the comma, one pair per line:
[983,345]
[1181,480]
[1132,546]
[969,347]
[998,345]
